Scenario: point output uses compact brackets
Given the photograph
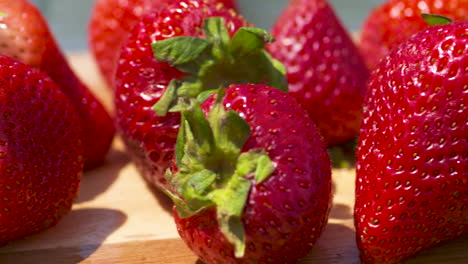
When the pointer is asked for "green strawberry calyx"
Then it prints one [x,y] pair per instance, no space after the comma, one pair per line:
[213,170]
[216,61]
[434,20]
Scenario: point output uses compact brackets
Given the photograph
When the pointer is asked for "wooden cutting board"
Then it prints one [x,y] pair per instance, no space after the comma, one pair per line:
[118,219]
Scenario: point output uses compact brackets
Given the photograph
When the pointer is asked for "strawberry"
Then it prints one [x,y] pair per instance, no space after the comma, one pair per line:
[41,156]
[26,37]
[326,74]
[252,182]
[394,21]
[412,174]
[203,31]
[111,22]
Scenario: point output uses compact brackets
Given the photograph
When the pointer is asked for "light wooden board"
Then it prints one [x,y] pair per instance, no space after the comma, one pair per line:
[119,219]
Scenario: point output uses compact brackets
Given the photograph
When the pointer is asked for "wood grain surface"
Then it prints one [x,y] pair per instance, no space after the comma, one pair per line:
[118,219]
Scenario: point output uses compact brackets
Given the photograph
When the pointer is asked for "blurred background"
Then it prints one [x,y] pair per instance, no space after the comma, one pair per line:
[68,19]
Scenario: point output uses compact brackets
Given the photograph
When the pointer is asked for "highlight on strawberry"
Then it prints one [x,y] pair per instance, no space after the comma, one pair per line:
[412,179]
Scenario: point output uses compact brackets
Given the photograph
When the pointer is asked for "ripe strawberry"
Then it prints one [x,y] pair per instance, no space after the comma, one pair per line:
[412,175]
[394,21]
[111,22]
[253,179]
[26,37]
[41,156]
[142,79]
[325,72]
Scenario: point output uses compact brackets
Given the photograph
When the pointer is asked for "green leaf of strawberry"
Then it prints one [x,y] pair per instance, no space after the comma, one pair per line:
[216,61]
[212,169]
[434,20]
[182,52]
[250,40]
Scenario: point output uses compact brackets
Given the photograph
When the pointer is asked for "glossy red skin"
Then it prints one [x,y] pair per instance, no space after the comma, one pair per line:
[326,74]
[394,21]
[27,38]
[110,24]
[412,174]
[41,155]
[284,215]
[141,81]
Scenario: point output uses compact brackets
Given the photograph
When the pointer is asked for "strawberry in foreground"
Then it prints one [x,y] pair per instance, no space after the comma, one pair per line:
[225,56]
[394,21]
[26,37]
[110,24]
[41,156]
[412,175]
[326,74]
[252,182]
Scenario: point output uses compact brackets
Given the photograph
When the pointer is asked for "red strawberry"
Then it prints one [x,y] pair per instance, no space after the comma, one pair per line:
[26,37]
[41,156]
[254,180]
[325,72]
[412,174]
[111,22]
[142,80]
[394,21]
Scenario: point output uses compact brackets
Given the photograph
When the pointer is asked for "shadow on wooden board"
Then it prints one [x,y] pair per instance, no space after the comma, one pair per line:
[98,180]
[97,224]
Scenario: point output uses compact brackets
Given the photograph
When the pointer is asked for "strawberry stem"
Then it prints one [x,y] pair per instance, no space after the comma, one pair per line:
[213,170]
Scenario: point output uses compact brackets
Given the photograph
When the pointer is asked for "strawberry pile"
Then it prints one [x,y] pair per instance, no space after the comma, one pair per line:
[233,122]
[230,160]
[198,110]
